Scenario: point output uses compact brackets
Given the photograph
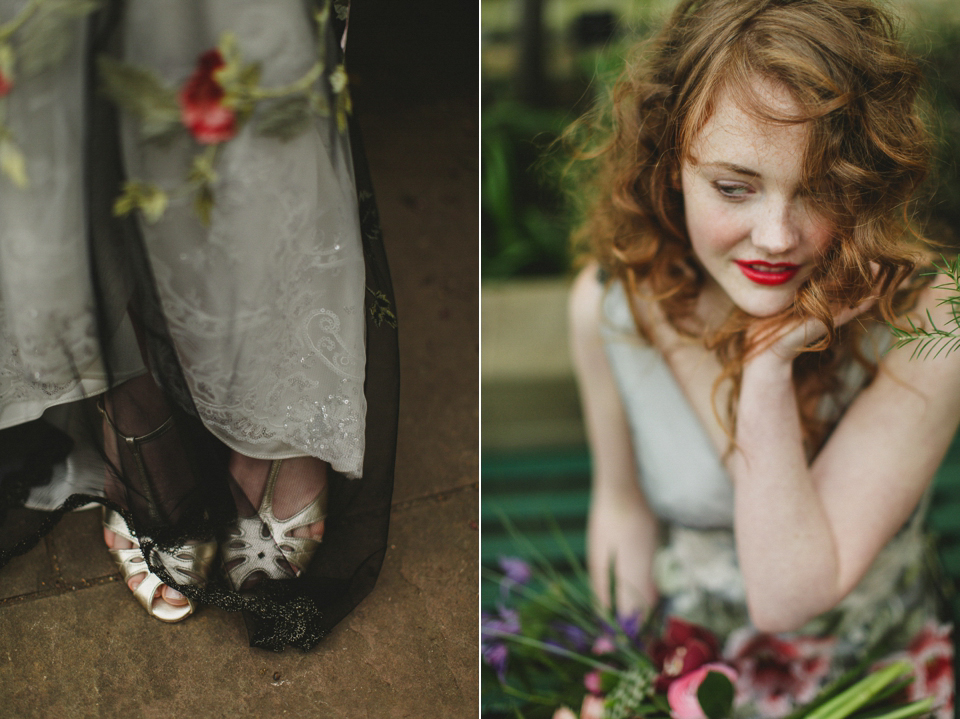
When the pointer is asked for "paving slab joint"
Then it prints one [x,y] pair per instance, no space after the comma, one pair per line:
[57,588]
[444,495]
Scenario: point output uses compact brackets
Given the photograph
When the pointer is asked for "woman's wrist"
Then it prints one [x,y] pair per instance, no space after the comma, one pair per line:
[770,364]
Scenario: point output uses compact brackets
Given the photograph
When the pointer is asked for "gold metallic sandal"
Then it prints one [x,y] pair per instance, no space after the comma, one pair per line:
[264,544]
[189,564]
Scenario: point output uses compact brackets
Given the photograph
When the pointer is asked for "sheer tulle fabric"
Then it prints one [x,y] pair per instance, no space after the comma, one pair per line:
[254,326]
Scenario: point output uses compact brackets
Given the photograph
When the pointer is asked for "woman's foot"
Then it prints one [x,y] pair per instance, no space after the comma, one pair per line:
[164,593]
[278,535]
[151,464]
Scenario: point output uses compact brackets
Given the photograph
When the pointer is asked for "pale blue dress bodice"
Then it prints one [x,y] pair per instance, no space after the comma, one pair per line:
[682,475]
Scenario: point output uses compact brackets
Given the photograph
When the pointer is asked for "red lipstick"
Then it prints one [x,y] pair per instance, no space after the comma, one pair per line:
[767,273]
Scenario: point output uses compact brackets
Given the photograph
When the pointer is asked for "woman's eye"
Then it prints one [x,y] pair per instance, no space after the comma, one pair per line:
[732,189]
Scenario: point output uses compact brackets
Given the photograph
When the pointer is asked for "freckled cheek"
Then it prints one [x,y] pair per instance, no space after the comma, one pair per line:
[714,233]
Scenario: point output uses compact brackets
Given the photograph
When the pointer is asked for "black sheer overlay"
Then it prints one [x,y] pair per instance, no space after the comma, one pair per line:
[179,490]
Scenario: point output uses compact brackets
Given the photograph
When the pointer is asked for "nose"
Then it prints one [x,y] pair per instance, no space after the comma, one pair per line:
[777,230]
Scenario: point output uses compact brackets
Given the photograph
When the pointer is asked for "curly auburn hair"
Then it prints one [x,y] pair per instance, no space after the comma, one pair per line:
[868,152]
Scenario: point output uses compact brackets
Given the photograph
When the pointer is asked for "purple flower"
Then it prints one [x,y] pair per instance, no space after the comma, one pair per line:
[496,656]
[493,649]
[573,636]
[506,622]
[516,570]
[631,625]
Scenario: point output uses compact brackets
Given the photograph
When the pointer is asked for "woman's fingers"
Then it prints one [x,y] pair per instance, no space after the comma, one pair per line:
[848,313]
[592,708]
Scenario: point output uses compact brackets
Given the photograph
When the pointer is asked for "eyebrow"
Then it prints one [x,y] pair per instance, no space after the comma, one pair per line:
[739,169]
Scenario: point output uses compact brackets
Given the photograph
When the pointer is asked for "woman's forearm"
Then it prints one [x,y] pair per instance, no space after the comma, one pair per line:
[623,533]
[785,544]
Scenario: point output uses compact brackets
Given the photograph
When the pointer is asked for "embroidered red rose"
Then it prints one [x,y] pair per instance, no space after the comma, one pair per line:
[683,648]
[201,102]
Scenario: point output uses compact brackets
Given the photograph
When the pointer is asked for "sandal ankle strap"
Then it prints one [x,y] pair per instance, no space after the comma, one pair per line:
[132,440]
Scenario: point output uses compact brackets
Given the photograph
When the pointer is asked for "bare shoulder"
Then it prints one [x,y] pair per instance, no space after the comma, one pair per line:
[584,306]
[934,369]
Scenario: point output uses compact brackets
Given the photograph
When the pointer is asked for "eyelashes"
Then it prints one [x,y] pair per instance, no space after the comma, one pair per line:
[732,190]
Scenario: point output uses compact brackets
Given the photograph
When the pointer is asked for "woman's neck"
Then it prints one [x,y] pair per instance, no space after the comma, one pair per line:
[713,306]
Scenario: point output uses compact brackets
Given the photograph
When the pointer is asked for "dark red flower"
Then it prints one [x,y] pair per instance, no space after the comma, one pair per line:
[683,648]
[201,102]
[931,653]
[6,85]
[776,673]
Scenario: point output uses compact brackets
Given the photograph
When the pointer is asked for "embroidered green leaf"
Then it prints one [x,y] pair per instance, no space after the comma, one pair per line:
[154,204]
[322,16]
[344,108]
[239,81]
[13,164]
[230,52]
[285,118]
[319,104]
[380,311]
[149,199]
[47,37]
[201,171]
[338,79]
[203,203]
[141,93]
[6,62]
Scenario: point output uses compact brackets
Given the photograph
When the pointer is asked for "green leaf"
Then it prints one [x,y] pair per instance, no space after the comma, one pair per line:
[149,199]
[715,695]
[285,119]
[50,34]
[202,171]
[13,164]
[338,79]
[6,62]
[203,203]
[319,104]
[141,93]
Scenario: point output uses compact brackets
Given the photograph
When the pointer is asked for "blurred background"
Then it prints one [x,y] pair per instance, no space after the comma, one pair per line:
[543,62]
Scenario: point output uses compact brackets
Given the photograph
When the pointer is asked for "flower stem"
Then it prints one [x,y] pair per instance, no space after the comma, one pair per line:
[560,651]
[313,74]
[11,26]
[847,702]
[916,708]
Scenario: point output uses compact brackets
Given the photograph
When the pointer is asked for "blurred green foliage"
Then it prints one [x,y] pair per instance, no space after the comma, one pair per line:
[524,223]
[937,43]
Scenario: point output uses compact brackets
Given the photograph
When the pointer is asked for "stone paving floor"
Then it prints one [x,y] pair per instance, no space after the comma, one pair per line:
[74,643]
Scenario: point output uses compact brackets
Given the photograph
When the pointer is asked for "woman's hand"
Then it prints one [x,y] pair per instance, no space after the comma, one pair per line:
[804,333]
[592,708]
[622,531]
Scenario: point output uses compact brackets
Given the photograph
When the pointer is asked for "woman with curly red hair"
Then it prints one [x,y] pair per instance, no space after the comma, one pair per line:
[761,451]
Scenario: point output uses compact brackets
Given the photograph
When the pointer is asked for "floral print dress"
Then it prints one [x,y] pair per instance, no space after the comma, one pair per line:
[892,613]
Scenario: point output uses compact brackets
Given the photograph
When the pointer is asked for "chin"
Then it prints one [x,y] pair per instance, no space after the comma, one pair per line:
[764,306]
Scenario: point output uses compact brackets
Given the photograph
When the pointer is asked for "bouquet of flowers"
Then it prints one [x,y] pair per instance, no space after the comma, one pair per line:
[551,644]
